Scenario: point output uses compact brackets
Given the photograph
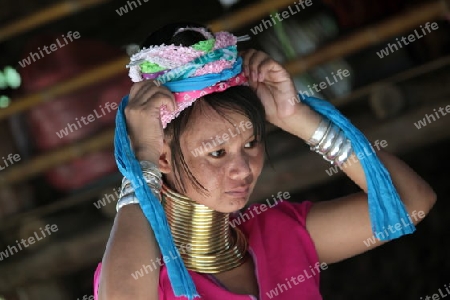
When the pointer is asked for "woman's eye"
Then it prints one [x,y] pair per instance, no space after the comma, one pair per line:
[251,144]
[218,153]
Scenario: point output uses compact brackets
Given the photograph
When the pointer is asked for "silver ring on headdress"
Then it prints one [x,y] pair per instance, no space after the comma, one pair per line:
[201,30]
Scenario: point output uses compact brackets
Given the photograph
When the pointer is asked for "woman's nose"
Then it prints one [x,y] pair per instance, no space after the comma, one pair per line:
[239,167]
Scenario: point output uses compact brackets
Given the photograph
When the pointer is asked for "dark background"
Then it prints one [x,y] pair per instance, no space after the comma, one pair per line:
[57,181]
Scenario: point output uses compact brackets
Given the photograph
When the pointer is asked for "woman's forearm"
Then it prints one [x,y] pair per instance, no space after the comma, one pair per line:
[131,247]
[415,193]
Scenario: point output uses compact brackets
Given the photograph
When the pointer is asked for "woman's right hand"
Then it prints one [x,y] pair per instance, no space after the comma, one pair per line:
[144,121]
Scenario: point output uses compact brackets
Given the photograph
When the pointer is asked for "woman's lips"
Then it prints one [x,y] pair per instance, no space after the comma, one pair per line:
[239,193]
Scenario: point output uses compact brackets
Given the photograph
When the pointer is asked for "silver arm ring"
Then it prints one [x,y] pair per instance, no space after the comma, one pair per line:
[319,133]
[337,145]
[327,142]
[344,154]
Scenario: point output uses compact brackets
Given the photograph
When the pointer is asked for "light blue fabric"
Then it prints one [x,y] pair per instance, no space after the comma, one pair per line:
[385,207]
[128,165]
[204,81]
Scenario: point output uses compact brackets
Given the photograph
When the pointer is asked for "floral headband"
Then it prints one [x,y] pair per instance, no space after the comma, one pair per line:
[209,66]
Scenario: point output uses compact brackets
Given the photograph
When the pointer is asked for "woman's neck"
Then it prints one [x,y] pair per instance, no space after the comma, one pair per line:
[214,246]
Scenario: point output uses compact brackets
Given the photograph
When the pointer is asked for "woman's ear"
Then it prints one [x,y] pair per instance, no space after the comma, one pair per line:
[165,159]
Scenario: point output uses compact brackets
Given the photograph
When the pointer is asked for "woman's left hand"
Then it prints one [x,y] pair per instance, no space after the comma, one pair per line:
[273,85]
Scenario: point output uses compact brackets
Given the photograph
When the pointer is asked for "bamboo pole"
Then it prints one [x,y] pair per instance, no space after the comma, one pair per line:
[87,78]
[41,163]
[371,35]
[343,47]
[248,14]
[396,78]
[46,15]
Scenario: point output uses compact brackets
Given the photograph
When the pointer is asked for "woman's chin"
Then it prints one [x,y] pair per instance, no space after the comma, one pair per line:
[229,204]
[234,204]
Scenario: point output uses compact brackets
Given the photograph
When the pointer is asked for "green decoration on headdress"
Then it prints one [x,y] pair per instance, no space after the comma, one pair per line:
[204,46]
[149,67]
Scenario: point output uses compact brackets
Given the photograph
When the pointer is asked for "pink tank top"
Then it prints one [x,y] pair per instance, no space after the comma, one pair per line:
[286,262]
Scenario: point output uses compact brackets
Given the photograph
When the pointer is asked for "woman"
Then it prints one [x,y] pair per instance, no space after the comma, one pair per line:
[208,176]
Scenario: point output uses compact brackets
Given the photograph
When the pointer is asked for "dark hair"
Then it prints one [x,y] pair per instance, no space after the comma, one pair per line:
[240,99]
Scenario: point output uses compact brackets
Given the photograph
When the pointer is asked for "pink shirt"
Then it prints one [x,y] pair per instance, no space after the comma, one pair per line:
[286,262]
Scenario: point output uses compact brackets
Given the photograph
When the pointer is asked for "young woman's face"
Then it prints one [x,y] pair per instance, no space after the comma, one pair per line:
[225,158]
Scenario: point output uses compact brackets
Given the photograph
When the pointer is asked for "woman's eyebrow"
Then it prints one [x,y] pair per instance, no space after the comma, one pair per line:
[220,139]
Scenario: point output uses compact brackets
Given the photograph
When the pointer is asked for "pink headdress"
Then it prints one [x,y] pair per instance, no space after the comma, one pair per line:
[206,67]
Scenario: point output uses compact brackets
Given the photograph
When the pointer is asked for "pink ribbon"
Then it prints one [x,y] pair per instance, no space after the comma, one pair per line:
[185,99]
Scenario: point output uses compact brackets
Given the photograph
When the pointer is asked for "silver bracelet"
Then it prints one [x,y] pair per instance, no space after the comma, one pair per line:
[344,154]
[329,141]
[148,166]
[337,145]
[319,133]
[126,200]
[152,177]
